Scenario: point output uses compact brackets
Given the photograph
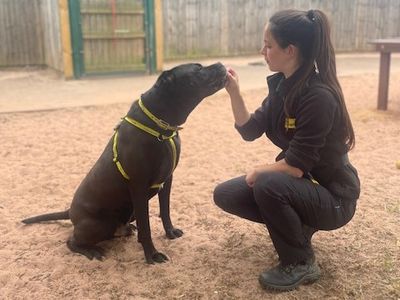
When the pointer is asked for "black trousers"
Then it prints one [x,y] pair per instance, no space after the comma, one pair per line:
[291,208]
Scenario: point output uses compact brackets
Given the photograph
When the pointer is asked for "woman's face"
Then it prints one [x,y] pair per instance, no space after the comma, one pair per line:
[277,58]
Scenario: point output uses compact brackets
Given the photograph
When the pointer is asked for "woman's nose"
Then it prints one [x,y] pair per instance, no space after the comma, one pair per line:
[262,51]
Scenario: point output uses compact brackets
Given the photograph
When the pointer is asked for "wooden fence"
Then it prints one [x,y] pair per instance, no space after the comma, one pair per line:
[195,28]
[30,29]
[30,33]
[50,18]
[114,37]
[21,39]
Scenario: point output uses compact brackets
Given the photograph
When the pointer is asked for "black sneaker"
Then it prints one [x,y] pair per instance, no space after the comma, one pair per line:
[286,278]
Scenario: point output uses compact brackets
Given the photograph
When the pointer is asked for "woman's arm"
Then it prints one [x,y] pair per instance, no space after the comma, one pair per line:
[279,166]
[239,109]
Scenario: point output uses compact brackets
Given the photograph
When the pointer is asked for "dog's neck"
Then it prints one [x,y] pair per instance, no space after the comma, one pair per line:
[157,105]
[140,114]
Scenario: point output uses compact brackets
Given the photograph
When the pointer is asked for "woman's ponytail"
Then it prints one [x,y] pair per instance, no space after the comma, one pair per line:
[326,65]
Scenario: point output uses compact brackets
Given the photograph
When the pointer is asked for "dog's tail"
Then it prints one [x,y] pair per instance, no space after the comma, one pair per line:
[62,215]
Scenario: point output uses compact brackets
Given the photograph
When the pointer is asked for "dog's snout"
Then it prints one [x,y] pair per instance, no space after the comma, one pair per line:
[221,69]
[220,65]
[221,75]
[217,65]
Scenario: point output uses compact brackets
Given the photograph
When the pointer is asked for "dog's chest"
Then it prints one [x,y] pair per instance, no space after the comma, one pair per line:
[169,159]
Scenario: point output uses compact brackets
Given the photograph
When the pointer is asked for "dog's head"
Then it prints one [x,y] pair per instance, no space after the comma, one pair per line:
[182,88]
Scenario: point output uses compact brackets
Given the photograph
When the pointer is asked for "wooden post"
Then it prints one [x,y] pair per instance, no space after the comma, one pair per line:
[385,47]
[66,39]
[76,37]
[150,36]
[159,35]
[383,89]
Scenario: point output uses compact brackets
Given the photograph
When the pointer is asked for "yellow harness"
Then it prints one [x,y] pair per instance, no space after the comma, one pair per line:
[160,123]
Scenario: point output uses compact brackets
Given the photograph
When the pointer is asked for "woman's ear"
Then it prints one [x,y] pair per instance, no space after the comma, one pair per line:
[292,50]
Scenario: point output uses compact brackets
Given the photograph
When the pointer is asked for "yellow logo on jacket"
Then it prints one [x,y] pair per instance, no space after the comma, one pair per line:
[290,123]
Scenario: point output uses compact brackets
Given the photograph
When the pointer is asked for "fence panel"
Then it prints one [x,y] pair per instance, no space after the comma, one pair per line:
[113,35]
[50,17]
[198,28]
[21,41]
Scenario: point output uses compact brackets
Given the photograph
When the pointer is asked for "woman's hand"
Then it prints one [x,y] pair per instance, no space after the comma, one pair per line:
[232,82]
[252,175]
[279,166]
[240,112]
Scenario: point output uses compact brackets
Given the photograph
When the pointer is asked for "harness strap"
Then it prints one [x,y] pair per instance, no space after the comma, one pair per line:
[157,186]
[115,159]
[151,131]
[173,147]
[161,123]
[148,129]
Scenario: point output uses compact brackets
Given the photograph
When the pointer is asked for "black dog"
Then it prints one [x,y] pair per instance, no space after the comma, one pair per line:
[138,163]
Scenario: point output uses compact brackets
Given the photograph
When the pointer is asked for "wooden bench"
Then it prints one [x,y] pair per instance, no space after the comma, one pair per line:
[385,47]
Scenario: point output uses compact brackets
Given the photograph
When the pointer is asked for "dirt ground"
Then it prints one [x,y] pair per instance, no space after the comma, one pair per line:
[46,154]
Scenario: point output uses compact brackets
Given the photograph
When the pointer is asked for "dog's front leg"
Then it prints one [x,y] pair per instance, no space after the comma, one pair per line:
[164,199]
[141,204]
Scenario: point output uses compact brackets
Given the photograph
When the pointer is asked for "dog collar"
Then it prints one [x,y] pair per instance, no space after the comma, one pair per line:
[160,123]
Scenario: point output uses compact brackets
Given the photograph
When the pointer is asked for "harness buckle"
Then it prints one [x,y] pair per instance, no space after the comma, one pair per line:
[164,125]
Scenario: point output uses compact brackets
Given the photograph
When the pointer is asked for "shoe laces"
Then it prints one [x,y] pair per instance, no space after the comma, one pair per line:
[288,268]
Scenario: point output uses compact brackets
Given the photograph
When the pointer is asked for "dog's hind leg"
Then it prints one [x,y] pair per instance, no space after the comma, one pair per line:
[87,233]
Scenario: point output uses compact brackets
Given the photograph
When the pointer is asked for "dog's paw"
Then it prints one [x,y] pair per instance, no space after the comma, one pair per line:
[157,257]
[174,233]
[130,229]
[89,251]
[125,231]
[98,253]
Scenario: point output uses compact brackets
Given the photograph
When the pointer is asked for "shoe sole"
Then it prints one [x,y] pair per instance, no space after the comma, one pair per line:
[307,279]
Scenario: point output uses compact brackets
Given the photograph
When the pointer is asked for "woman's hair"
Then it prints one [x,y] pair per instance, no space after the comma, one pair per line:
[309,31]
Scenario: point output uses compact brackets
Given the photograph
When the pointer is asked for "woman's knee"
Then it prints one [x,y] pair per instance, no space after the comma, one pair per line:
[269,187]
[231,192]
[220,196]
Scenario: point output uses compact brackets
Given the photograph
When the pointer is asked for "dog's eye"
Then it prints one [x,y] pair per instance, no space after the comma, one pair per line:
[168,78]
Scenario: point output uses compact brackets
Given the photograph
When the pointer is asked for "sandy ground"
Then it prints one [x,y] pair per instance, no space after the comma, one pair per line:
[46,154]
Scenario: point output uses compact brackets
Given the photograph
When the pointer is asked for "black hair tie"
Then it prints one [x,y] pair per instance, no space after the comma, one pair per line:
[311,15]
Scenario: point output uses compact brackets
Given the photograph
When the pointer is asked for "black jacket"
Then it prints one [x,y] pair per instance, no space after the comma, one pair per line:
[316,142]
